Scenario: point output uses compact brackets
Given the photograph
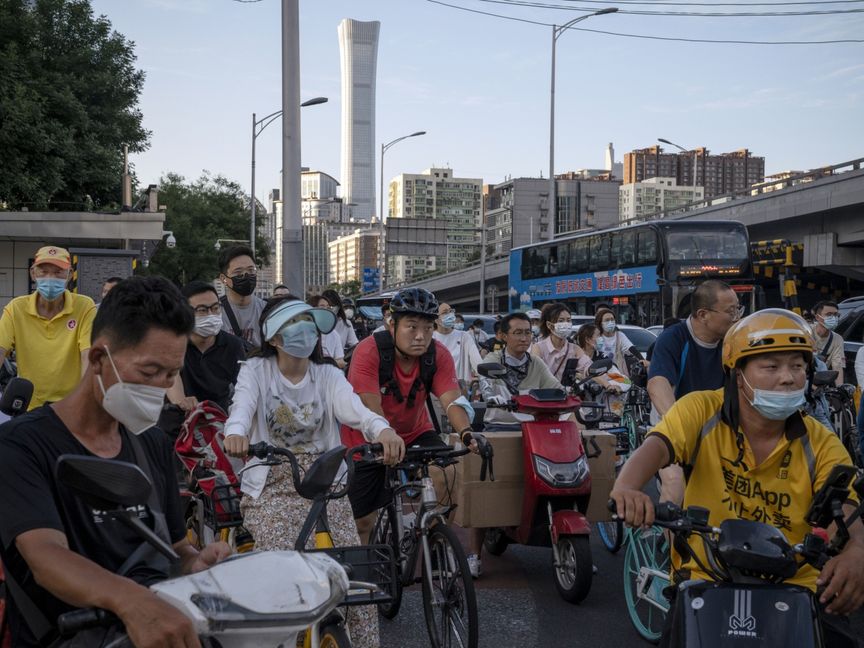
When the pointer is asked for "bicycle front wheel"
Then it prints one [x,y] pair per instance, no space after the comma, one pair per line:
[449,600]
[646,574]
[611,534]
[385,533]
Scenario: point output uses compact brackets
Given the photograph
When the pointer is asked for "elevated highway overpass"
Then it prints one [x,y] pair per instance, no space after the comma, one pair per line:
[823,209]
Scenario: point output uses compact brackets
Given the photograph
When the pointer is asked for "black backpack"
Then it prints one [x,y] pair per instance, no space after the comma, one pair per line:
[387,373]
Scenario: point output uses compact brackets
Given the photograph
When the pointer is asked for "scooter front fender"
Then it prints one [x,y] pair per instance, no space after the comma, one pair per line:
[567,522]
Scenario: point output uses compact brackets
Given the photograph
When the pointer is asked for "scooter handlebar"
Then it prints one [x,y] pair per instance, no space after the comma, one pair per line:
[73,622]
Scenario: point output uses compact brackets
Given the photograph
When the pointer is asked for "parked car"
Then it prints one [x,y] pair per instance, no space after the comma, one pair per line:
[850,305]
[656,329]
[640,337]
[851,327]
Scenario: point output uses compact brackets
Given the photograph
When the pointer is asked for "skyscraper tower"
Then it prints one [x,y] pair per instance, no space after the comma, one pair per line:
[358,46]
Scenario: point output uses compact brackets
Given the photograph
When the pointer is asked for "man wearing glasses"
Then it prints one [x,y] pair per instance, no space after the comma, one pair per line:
[241,308]
[688,357]
[213,356]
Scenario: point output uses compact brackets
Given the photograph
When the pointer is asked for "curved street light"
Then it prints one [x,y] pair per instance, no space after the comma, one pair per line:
[258,126]
[384,149]
[556,32]
[683,150]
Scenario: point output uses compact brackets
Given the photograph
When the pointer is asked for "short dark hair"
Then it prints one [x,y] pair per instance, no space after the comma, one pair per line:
[550,313]
[196,288]
[113,280]
[505,321]
[267,350]
[137,305]
[231,253]
[313,300]
[820,306]
[706,294]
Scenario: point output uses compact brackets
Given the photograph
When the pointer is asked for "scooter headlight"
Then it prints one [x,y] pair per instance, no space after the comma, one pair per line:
[562,475]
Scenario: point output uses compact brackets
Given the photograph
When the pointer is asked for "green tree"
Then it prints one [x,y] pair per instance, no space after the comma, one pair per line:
[348,289]
[69,102]
[199,213]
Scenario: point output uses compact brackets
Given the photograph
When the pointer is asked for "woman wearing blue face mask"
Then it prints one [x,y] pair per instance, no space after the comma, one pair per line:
[613,344]
[290,396]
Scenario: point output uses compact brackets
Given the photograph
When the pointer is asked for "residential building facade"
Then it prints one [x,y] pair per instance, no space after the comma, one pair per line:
[718,174]
[351,253]
[643,199]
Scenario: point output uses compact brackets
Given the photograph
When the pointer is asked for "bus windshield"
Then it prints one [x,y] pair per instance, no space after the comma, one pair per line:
[700,251]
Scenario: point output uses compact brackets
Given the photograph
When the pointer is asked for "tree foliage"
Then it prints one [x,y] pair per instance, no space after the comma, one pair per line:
[348,289]
[69,94]
[198,214]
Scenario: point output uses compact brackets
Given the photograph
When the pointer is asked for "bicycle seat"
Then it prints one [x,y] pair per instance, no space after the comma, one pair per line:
[321,474]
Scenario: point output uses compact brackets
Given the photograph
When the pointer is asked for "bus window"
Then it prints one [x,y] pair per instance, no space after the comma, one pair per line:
[535,265]
[579,256]
[627,258]
[615,249]
[552,265]
[647,251]
[599,253]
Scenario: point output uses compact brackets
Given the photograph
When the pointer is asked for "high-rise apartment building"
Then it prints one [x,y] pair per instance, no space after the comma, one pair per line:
[436,195]
[654,195]
[358,47]
[718,174]
[352,253]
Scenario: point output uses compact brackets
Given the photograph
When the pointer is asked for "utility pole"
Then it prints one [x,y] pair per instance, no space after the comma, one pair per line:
[292,226]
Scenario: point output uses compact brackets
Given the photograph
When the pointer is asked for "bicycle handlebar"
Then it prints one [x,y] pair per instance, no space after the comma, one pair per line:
[269,456]
[75,621]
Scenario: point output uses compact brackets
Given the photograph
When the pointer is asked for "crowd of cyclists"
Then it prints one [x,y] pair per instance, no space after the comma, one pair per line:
[732,414]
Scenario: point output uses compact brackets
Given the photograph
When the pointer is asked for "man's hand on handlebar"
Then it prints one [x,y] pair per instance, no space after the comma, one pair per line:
[393,447]
[153,623]
[237,445]
[843,578]
[633,506]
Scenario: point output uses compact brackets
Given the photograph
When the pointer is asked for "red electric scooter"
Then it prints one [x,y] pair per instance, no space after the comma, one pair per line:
[557,483]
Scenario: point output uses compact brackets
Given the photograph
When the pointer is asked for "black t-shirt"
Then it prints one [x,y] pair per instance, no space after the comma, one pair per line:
[32,499]
[210,375]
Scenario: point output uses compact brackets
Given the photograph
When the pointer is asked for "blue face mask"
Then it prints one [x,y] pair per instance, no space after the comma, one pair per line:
[776,405]
[299,339]
[459,326]
[448,320]
[50,287]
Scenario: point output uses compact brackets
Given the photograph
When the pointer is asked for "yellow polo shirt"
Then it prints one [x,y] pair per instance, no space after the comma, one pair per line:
[778,491]
[48,352]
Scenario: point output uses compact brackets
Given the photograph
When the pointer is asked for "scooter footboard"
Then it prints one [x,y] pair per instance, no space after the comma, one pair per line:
[568,522]
[719,614]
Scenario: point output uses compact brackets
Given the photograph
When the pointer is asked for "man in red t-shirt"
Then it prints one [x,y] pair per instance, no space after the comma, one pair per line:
[414,312]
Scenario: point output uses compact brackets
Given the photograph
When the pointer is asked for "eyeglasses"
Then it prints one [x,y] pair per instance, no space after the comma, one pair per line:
[525,333]
[213,309]
[733,313]
[246,273]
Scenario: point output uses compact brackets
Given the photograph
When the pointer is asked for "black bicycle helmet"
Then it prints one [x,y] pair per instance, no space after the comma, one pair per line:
[414,301]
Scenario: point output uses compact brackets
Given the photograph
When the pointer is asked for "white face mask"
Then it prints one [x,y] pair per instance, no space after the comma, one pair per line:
[137,407]
[563,329]
[208,325]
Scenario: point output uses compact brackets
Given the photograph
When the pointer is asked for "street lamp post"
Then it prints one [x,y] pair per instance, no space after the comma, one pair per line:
[683,150]
[556,32]
[381,263]
[258,126]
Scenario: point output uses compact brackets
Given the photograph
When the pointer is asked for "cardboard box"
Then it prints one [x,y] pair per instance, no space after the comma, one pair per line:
[499,503]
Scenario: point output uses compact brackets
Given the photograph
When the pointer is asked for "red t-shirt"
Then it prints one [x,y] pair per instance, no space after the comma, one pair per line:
[409,423]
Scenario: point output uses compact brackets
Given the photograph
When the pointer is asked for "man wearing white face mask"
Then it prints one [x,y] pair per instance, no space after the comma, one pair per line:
[213,356]
[829,345]
[466,355]
[63,553]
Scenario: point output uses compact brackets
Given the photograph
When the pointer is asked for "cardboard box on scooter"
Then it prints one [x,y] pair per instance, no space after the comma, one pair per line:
[499,503]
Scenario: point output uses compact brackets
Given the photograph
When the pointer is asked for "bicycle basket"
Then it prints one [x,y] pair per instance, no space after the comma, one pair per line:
[222,507]
[373,564]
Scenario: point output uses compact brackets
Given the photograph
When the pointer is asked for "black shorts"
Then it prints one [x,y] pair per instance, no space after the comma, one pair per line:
[370,490]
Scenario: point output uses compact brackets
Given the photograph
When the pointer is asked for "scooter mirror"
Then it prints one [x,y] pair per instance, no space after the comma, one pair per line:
[491,370]
[16,396]
[599,367]
[103,484]
[822,378]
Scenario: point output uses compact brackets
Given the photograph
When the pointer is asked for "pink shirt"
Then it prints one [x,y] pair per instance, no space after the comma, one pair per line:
[554,358]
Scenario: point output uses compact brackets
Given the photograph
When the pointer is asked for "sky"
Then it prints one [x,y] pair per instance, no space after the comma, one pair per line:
[479,85]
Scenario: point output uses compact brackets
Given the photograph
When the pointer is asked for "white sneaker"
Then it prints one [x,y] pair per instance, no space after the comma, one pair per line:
[474,565]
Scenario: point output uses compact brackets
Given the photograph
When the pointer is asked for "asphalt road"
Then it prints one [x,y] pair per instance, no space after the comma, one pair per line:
[519,606]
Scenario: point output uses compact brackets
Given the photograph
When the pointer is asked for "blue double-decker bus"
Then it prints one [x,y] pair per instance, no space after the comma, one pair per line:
[645,272]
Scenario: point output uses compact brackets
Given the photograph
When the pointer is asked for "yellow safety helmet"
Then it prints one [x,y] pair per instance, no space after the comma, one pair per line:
[767,331]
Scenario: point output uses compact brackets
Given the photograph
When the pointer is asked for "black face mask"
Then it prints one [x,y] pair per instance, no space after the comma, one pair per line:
[244,284]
